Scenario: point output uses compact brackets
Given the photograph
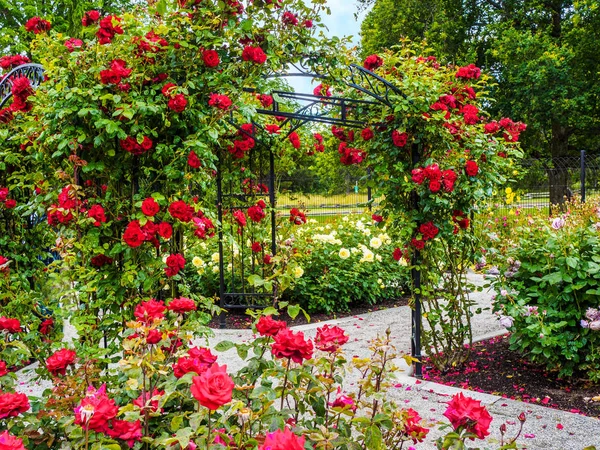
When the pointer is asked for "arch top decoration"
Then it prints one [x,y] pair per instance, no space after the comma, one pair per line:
[35,73]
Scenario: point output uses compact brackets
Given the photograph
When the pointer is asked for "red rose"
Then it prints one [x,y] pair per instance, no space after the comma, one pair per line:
[297,217]
[471,168]
[265,100]
[254,54]
[373,62]
[3,369]
[267,326]
[397,255]
[129,432]
[204,355]
[211,58]
[289,18]
[146,143]
[3,194]
[193,160]
[89,18]
[433,172]
[177,103]
[186,365]
[154,337]
[240,217]
[419,244]
[283,440]
[150,207]
[13,404]
[467,412]
[292,345]
[491,127]
[10,442]
[412,427]
[96,213]
[133,235]
[10,203]
[256,247]
[181,210]
[367,134]
[181,305]
[59,361]
[165,230]
[175,263]
[214,388]
[428,230]
[322,90]
[150,310]
[399,139]
[100,260]
[308,23]
[329,339]
[46,326]
[167,89]
[418,176]
[10,325]
[448,179]
[37,25]
[73,44]
[219,101]
[96,410]
[470,71]
[434,186]
[256,213]
[294,139]
[149,400]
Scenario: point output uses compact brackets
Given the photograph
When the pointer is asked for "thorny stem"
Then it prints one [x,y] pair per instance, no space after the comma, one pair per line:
[285,378]
[332,362]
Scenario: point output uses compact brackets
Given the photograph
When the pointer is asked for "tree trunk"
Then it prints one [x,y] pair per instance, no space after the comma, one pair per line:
[558,176]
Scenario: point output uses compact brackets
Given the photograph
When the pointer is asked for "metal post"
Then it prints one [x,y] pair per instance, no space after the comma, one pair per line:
[222,323]
[415,349]
[582,175]
[369,193]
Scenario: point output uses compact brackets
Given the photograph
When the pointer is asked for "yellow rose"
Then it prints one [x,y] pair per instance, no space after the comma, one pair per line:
[344,253]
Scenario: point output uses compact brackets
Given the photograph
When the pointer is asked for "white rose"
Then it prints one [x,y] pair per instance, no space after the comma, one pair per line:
[298,271]
[344,253]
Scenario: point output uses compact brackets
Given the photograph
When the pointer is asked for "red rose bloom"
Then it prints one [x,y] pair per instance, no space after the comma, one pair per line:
[150,207]
[96,410]
[297,217]
[193,160]
[467,412]
[377,218]
[134,236]
[100,260]
[240,217]
[283,440]
[265,100]
[399,139]
[89,18]
[428,230]
[59,361]
[187,365]
[397,255]
[329,339]
[96,213]
[3,369]
[435,186]
[154,337]
[10,203]
[10,325]
[491,127]
[418,176]
[181,210]
[367,134]
[471,168]
[165,230]
[468,72]
[214,388]
[73,44]
[13,404]
[292,345]
[322,90]
[177,103]
[219,101]
[46,327]
[167,89]
[175,263]
[419,244]
[37,25]
[149,400]
[294,139]
[254,54]
[210,58]
[129,432]
[267,326]
[448,179]
[256,247]
[256,213]
[10,442]
[412,427]
[181,305]
[373,62]
[289,18]
[150,310]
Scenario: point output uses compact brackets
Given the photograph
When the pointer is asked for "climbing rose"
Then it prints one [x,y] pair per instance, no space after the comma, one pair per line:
[294,139]
[11,203]
[134,235]
[210,58]
[397,255]
[150,207]
[377,218]
[239,217]
[175,263]
[59,361]
[181,305]
[418,176]
[283,440]
[177,103]
[73,44]
[96,212]
[367,134]
[181,210]
[219,101]
[292,345]
[372,62]
[214,388]
[37,25]
[322,90]
[10,325]
[265,100]
[108,29]
[470,71]
[399,139]
[256,213]
[96,410]
[267,326]
[471,168]
[89,18]
[254,54]
[13,404]
[491,127]
[165,230]
[428,230]
[412,427]
[289,18]
[154,337]
[198,361]
[129,432]
[46,325]
[193,160]
[256,247]
[329,339]
[467,412]
[150,310]
[297,217]
[10,442]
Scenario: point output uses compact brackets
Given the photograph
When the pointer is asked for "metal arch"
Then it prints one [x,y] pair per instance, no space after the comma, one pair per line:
[379,88]
[35,73]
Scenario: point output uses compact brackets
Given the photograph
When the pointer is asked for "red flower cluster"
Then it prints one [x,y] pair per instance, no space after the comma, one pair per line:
[10,442]
[9,203]
[397,254]
[151,43]
[73,44]
[469,113]
[294,139]
[512,129]
[265,100]
[240,217]
[257,212]
[428,230]
[63,211]
[96,212]
[46,326]
[13,404]
[193,160]
[412,428]
[319,147]
[267,326]
[177,102]
[37,25]
[289,18]
[297,217]
[373,62]
[249,186]
[254,54]
[437,178]
[292,345]
[367,134]
[471,168]
[96,410]
[210,58]
[350,155]
[130,432]
[256,247]
[468,72]
[322,90]
[100,260]
[461,220]
[21,90]
[329,339]
[180,210]
[175,264]
[198,361]
[90,18]
[468,413]
[10,325]
[135,235]
[10,62]
[399,139]
[109,26]
[117,71]
[204,226]
[244,141]
[213,388]
[131,145]
[283,440]
[181,305]
[150,310]
[58,362]
[340,133]
[219,101]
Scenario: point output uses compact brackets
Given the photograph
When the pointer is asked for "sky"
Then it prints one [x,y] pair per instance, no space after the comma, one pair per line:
[340,23]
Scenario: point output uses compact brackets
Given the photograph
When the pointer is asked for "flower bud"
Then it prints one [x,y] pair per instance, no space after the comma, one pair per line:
[503,428]
[522,417]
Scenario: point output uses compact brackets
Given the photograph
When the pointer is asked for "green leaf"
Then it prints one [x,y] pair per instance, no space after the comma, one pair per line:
[572,262]
[293,311]
[223,346]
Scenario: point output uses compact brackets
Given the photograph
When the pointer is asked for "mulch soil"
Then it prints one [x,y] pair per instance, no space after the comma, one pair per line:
[495,369]
[237,319]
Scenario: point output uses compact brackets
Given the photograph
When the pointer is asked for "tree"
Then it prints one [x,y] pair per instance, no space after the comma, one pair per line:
[542,55]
